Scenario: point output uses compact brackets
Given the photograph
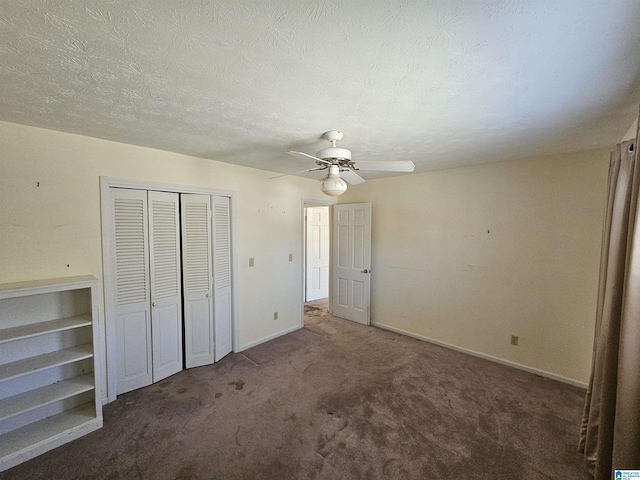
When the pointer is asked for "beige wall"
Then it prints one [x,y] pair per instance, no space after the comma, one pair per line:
[55,229]
[470,256]
[437,273]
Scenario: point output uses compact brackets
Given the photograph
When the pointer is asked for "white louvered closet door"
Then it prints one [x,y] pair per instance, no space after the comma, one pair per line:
[197,279]
[222,275]
[133,316]
[166,288]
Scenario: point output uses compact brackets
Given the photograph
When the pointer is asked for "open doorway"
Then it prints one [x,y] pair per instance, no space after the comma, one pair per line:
[348,245]
[317,258]
[317,261]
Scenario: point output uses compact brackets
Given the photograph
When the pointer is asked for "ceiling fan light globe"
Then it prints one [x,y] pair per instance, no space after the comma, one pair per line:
[334,186]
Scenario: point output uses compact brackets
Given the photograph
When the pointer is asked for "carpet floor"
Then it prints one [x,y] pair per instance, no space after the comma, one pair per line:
[334,400]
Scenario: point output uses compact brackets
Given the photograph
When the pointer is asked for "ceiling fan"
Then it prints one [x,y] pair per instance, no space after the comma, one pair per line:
[341,167]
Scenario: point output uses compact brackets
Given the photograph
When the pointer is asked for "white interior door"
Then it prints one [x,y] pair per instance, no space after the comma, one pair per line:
[317,271]
[222,276]
[166,287]
[132,311]
[197,279]
[352,261]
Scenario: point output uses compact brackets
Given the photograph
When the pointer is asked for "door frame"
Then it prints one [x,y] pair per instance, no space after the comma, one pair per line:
[107,262]
[312,202]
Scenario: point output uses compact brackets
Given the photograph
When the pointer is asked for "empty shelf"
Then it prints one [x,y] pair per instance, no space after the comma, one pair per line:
[24,402]
[42,362]
[42,328]
[13,442]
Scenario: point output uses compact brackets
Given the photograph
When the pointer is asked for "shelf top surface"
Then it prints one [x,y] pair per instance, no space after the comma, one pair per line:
[43,328]
[29,365]
[78,281]
[43,430]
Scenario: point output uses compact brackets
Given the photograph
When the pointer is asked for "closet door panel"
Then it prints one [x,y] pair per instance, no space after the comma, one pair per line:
[199,330]
[133,329]
[197,279]
[222,275]
[133,306]
[167,341]
[166,294]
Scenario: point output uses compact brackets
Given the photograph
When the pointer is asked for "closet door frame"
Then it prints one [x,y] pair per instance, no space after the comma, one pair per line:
[108,262]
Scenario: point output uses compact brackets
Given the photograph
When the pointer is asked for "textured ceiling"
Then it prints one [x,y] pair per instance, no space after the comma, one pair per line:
[443,83]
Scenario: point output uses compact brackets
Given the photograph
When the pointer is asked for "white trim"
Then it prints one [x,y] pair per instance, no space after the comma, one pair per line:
[106,211]
[109,295]
[491,358]
[164,187]
[235,317]
[268,338]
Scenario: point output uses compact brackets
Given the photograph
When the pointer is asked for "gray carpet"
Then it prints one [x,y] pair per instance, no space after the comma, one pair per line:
[334,400]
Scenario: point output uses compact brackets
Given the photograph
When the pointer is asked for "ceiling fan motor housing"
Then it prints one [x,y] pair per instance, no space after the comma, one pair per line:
[334,153]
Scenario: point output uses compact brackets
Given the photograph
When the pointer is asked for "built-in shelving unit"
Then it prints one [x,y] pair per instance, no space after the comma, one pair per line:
[49,385]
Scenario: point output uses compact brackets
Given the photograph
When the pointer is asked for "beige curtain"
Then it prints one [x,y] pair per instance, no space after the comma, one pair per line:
[610,436]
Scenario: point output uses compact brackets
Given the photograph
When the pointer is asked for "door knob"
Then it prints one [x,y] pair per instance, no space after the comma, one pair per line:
[366,271]
[208,295]
[153,304]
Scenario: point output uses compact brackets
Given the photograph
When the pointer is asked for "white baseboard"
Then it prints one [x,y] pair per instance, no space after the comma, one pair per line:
[266,339]
[502,361]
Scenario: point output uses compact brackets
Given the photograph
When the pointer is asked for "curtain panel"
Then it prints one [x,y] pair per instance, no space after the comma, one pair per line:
[610,433]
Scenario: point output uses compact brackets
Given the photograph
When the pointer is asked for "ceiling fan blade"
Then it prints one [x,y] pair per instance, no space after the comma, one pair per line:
[302,154]
[301,171]
[351,177]
[398,166]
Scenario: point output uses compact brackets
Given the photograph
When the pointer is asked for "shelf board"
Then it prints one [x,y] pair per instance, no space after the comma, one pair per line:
[42,362]
[47,285]
[42,328]
[30,436]
[24,402]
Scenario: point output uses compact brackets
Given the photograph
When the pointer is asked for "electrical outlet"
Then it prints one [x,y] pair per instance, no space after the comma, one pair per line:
[291,257]
[514,340]
[251,262]
[275,315]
